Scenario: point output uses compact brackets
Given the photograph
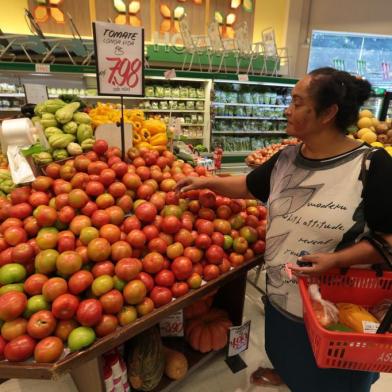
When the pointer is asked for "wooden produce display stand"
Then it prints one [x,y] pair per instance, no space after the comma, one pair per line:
[86,367]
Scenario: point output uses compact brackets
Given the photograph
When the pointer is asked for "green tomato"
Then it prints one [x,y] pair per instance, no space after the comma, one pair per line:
[101,285]
[45,261]
[119,284]
[228,242]
[35,304]
[12,273]
[11,287]
[81,337]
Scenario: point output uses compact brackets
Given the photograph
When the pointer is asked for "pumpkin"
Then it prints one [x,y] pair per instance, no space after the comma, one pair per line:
[145,360]
[198,308]
[176,364]
[209,331]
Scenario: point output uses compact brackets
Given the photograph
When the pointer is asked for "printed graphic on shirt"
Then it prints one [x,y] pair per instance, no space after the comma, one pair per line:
[314,206]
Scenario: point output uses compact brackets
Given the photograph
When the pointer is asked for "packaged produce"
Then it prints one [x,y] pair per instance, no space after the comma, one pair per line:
[167,91]
[159,92]
[357,318]
[149,91]
[192,92]
[381,309]
[190,105]
[184,93]
[325,311]
[175,92]
[200,93]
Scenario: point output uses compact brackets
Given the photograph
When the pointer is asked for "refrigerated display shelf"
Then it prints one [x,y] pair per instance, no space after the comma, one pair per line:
[250,118]
[249,132]
[172,111]
[192,125]
[12,95]
[258,105]
[9,109]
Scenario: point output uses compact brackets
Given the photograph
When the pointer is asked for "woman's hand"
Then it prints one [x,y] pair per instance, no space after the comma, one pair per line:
[190,183]
[321,263]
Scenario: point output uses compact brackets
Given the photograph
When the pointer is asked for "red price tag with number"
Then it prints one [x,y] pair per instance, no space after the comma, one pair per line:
[238,339]
[120,59]
[173,325]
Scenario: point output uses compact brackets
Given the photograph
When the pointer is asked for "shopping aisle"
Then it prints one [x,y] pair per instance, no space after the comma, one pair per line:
[215,376]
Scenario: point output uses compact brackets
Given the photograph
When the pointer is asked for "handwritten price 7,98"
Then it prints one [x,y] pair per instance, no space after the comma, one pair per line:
[170,328]
[124,71]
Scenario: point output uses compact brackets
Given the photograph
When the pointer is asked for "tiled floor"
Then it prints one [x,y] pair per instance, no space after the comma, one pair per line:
[215,376]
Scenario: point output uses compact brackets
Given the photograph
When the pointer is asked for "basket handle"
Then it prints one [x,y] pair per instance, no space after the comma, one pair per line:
[386,322]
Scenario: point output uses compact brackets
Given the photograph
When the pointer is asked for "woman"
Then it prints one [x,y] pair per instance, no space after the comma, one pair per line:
[318,202]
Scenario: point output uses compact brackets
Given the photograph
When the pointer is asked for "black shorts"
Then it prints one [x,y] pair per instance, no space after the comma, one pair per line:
[289,349]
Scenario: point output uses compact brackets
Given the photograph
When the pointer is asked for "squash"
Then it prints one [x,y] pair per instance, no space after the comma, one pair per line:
[199,308]
[145,360]
[208,332]
[176,364]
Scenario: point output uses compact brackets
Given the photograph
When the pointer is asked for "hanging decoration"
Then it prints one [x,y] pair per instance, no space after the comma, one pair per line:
[247,5]
[171,17]
[49,9]
[133,11]
[226,23]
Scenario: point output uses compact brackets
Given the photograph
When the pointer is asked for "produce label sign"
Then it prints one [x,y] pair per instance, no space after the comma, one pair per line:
[119,51]
[173,325]
[238,339]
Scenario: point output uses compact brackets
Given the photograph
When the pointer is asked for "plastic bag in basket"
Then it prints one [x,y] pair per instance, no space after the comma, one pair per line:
[326,312]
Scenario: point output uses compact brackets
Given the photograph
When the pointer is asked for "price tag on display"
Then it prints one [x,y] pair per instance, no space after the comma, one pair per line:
[35,93]
[173,325]
[243,78]
[119,52]
[170,74]
[44,68]
[238,339]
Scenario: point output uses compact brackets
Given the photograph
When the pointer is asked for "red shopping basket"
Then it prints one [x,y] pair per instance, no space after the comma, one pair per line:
[345,350]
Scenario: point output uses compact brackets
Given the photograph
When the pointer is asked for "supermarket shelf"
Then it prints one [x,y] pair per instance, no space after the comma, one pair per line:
[12,95]
[236,153]
[258,105]
[121,335]
[192,125]
[131,98]
[9,109]
[250,118]
[238,133]
[172,111]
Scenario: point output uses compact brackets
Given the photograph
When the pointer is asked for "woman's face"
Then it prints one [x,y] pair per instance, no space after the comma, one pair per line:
[301,116]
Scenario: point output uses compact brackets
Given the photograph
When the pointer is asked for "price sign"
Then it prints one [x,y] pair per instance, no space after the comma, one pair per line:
[35,93]
[170,74]
[243,78]
[173,325]
[119,51]
[238,339]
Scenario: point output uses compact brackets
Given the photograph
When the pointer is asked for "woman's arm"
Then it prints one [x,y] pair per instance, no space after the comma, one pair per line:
[360,253]
[231,186]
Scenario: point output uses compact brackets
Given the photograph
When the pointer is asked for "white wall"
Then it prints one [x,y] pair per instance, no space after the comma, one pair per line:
[362,16]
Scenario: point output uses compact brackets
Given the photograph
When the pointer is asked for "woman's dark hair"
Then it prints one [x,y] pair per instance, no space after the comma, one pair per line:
[332,87]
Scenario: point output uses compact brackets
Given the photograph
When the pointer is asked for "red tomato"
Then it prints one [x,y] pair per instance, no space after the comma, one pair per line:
[107,325]
[89,312]
[161,296]
[182,267]
[19,349]
[165,278]
[41,324]
[179,289]
[64,306]
[12,305]
[80,281]
[112,301]
[48,350]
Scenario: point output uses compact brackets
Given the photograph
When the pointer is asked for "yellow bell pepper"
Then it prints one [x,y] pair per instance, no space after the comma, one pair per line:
[144,145]
[159,148]
[154,126]
[159,139]
[145,135]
